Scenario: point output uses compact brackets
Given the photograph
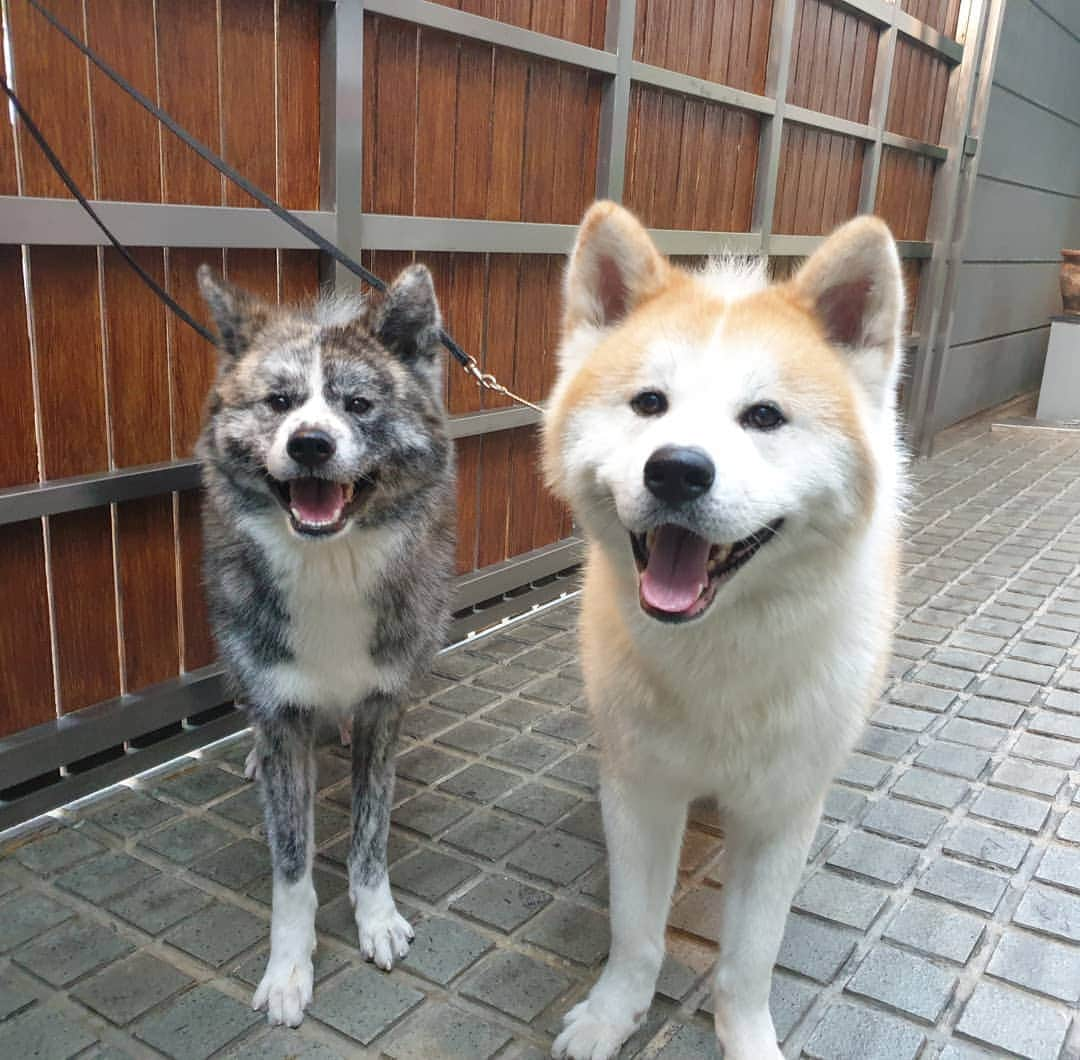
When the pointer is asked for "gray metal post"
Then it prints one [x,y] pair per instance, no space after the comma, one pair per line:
[615,106]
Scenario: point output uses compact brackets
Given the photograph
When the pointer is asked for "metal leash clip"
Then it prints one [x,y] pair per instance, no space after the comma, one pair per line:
[486,381]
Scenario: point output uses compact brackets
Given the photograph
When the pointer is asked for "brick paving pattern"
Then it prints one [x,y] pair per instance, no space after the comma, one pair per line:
[939,915]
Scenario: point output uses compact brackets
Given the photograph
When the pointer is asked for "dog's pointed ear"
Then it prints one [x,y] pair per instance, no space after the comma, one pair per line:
[238,315]
[613,268]
[409,322]
[854,287]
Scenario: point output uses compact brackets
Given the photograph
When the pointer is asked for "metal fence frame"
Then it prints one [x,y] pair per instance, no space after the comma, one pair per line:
[47,749]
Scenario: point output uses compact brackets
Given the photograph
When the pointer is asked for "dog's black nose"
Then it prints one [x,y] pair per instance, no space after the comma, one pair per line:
[678,474]
[310,447]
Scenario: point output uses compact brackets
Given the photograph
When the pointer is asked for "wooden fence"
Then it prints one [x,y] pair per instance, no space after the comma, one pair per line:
[470,135]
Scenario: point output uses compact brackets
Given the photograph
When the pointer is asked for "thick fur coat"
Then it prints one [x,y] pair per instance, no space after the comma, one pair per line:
[730,451]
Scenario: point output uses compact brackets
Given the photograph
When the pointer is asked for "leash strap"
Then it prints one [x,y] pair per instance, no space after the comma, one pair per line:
[466,360]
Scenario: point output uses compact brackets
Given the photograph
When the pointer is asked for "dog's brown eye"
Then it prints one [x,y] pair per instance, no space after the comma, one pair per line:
[762,417]
[279,402]
[649,403]
[357,405]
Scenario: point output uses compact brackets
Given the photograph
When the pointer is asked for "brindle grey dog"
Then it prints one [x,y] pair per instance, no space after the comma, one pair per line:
[328,535]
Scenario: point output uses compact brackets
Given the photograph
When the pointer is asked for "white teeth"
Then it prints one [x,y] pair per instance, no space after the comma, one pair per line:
[347,491]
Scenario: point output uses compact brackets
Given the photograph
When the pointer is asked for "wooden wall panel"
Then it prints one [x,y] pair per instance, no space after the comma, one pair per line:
[943,15]
[137,360]
[460,129]
[67,330]
[467,452]
[20,457]
[725,42]
[581,21]
[198,645]
[818,183]
[298,105]
[147,574]
[84,602]
[127,138]
[247,94]
[905,192]
[712,186]
[920,85]
[912,270]
[26,671]
[299,270]
[9,180]
[254,271]
[832,61]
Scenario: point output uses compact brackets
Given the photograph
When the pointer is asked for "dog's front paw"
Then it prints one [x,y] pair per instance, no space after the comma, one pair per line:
[384,937]
[285,990]
[588,1035]
[251,765]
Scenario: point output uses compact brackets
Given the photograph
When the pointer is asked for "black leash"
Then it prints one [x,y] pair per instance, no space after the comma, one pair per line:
[466,361]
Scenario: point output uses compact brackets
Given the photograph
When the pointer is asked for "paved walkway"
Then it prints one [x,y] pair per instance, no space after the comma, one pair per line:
[939,917]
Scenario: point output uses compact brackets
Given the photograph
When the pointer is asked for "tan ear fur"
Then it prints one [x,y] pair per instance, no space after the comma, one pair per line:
[614,267]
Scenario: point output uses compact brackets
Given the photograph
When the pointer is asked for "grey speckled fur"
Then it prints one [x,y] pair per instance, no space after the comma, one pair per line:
[386,574]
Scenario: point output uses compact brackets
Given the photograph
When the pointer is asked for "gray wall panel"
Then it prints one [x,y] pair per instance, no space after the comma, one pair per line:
[1067,12]
[1038,58]
[994,299]
[1011,223]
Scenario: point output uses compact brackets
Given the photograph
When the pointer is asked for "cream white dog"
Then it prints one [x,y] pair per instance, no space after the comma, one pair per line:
[730,450]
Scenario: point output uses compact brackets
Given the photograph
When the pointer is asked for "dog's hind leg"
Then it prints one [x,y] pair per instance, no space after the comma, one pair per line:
[643,828]
[285,741]
[384,934]
[763,868]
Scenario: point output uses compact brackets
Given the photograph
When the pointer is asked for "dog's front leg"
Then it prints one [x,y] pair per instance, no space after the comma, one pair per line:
[285,743]
[643,829]
[763,868]
[384,933]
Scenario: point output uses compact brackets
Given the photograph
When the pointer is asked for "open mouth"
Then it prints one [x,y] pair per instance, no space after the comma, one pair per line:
[318,507]
[680,571]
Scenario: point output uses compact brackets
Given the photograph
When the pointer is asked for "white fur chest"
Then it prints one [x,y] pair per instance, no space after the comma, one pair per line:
[327,589]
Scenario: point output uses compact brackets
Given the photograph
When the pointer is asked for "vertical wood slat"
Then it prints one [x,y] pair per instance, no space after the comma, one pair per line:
[9,177]
[298,105]
[198,645]
[127,138]
[918,93]
[580,21]
[820,188]
[26,669]
[52,84]
[20,462]
[905,192]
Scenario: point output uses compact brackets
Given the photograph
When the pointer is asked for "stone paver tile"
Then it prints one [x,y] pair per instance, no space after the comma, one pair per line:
[459,664]
[1046,749]
[994,846]
[237,865]
[159,904]
[850,1033]
[1029,776]
[1044,654]
[571,932]
[514,984]
[953,678]
[995,687]
[528,752]
[991,711]
[862,771]
[423,721]
[1038,964]
[186,840]
[427,765]
[430,874]
[501,902]
[245,807]
[218,933]
[1060,866]
[429,813]
[789,998]
[199,1023]
[1051,723]
[586,822]
[324,964]
[475,737]
[105,876]
[71,950]
[1011,809]
[963,884]
[935,929]
[443,949]
[558,691]
[885,743]
[874,857]
[925,697]
[931,788]
[556,857]
[973,733]
[690,1042]
[44,1034]
[675,979]
[814,949]
[961,659]
[17,992]
[129,988]
[385,999]
[1017,1022]
[505,677]
[1035,673]
[464,699]
[903,820]
[198,784]
[834,897]
[284,1043]
[488,835]
[438,1030]
[517,713]
[568,725]
[57,850]
[1059,638]
[953,758]
[580,768]
[133,813]
[480,783]
[911,985]
[843,804]
[979,642]
[905,718]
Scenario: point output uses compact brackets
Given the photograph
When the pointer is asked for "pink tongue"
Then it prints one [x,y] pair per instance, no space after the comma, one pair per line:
[314,500]
[677,571]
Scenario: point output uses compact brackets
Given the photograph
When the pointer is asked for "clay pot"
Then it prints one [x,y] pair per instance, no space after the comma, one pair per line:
[1070,281]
